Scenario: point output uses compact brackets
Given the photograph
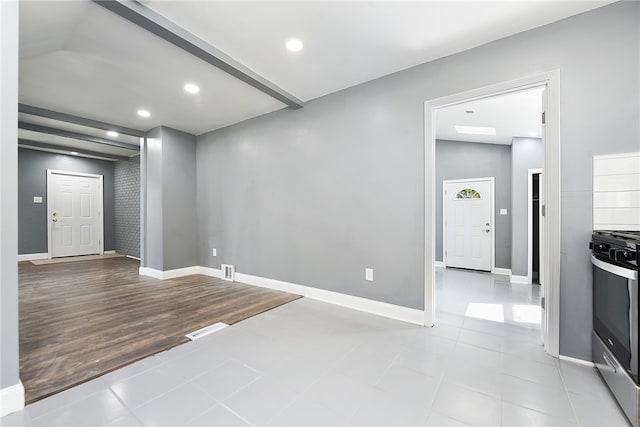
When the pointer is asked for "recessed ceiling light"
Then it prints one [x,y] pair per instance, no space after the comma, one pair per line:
[294,45]
[475,130]
[112,133]
[75,153]
[469,111]
[144,113]
[191,88]
[532,133]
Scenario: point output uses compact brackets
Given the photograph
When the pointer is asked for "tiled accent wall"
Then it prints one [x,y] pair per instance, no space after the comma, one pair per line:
[616,192]
[127,206]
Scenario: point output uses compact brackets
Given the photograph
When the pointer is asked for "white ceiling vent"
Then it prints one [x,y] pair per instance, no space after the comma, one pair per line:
[228,272]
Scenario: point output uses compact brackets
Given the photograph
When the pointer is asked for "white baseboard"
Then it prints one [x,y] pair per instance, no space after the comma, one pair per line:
[212,272]
[577,361]
[438,264]
[169,274]
[502,271]
[11,399]
[522,280]
[31,257]
[133,257]
[109,252]
[392,311]
[405,314]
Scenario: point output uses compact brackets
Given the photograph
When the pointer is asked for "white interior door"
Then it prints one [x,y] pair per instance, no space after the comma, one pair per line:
[468,224]
[74,205]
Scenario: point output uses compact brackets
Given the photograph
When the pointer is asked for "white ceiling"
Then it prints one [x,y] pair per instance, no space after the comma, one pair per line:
[512,115]
[351,42]
[78,58]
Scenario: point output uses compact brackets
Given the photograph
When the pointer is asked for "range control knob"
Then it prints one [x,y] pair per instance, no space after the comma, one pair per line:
[624,255]
[599,247]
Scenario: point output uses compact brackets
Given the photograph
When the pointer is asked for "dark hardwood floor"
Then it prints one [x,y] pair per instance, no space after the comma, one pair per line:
[81,320]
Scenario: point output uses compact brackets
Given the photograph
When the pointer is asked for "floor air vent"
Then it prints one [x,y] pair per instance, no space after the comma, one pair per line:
[228,271]
[206,331]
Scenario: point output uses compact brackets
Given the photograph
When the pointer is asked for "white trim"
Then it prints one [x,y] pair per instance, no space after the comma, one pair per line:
[100,179]
[109,252]
[502,271]
[522,280]
[438,264]
[169,274]
[11,399]
[577,361]
[211,272]
[133,257]
[492,182]
[31,257]
[405,314]
[551,252]
[530,173]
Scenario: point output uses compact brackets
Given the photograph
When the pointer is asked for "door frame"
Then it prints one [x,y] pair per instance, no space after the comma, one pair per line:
[530,173]
[492,182]
[100,179]
[551,137]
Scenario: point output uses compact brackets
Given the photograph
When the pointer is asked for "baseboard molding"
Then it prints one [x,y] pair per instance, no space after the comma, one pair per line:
[438,264]
[31,257]
[169,274]
[109,252]
[522,280]
[133,257]
[502,271]
[212,272]
[11,399]
[577,361]
[392,311]
[405,314]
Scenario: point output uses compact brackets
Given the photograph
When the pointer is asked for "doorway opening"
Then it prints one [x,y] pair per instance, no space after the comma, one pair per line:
[549,197]
[534,225]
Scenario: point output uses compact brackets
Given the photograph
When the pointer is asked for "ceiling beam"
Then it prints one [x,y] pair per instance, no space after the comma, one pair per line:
[69,118]
[46,146]
[152,21]
[75,135]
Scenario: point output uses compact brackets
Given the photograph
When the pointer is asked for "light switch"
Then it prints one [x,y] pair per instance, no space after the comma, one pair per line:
[503,211]
[37,199]
[368,274]
[214,252]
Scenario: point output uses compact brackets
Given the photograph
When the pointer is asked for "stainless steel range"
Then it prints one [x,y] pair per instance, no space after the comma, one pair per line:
[616,349]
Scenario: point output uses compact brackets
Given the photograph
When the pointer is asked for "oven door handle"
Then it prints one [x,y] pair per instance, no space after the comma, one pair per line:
[614,269]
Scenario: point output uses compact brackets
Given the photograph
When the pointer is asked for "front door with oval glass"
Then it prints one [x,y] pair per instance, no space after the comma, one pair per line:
[468,224]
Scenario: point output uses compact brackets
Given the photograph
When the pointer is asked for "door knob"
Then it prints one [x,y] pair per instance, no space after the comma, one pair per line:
[486,230]
[55,220]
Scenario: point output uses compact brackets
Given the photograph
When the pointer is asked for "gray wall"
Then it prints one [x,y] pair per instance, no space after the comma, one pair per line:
[527,153]
[316,195]
[9,363]
[32,181]
[127,206]
[151,163]
[458,160]
[170,230]
[179,198]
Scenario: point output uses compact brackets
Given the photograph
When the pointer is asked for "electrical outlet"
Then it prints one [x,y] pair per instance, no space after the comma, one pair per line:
[503,211]
[368,274]
[214,252]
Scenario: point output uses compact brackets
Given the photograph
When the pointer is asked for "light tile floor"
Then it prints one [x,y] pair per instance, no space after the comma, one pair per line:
[312,363]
